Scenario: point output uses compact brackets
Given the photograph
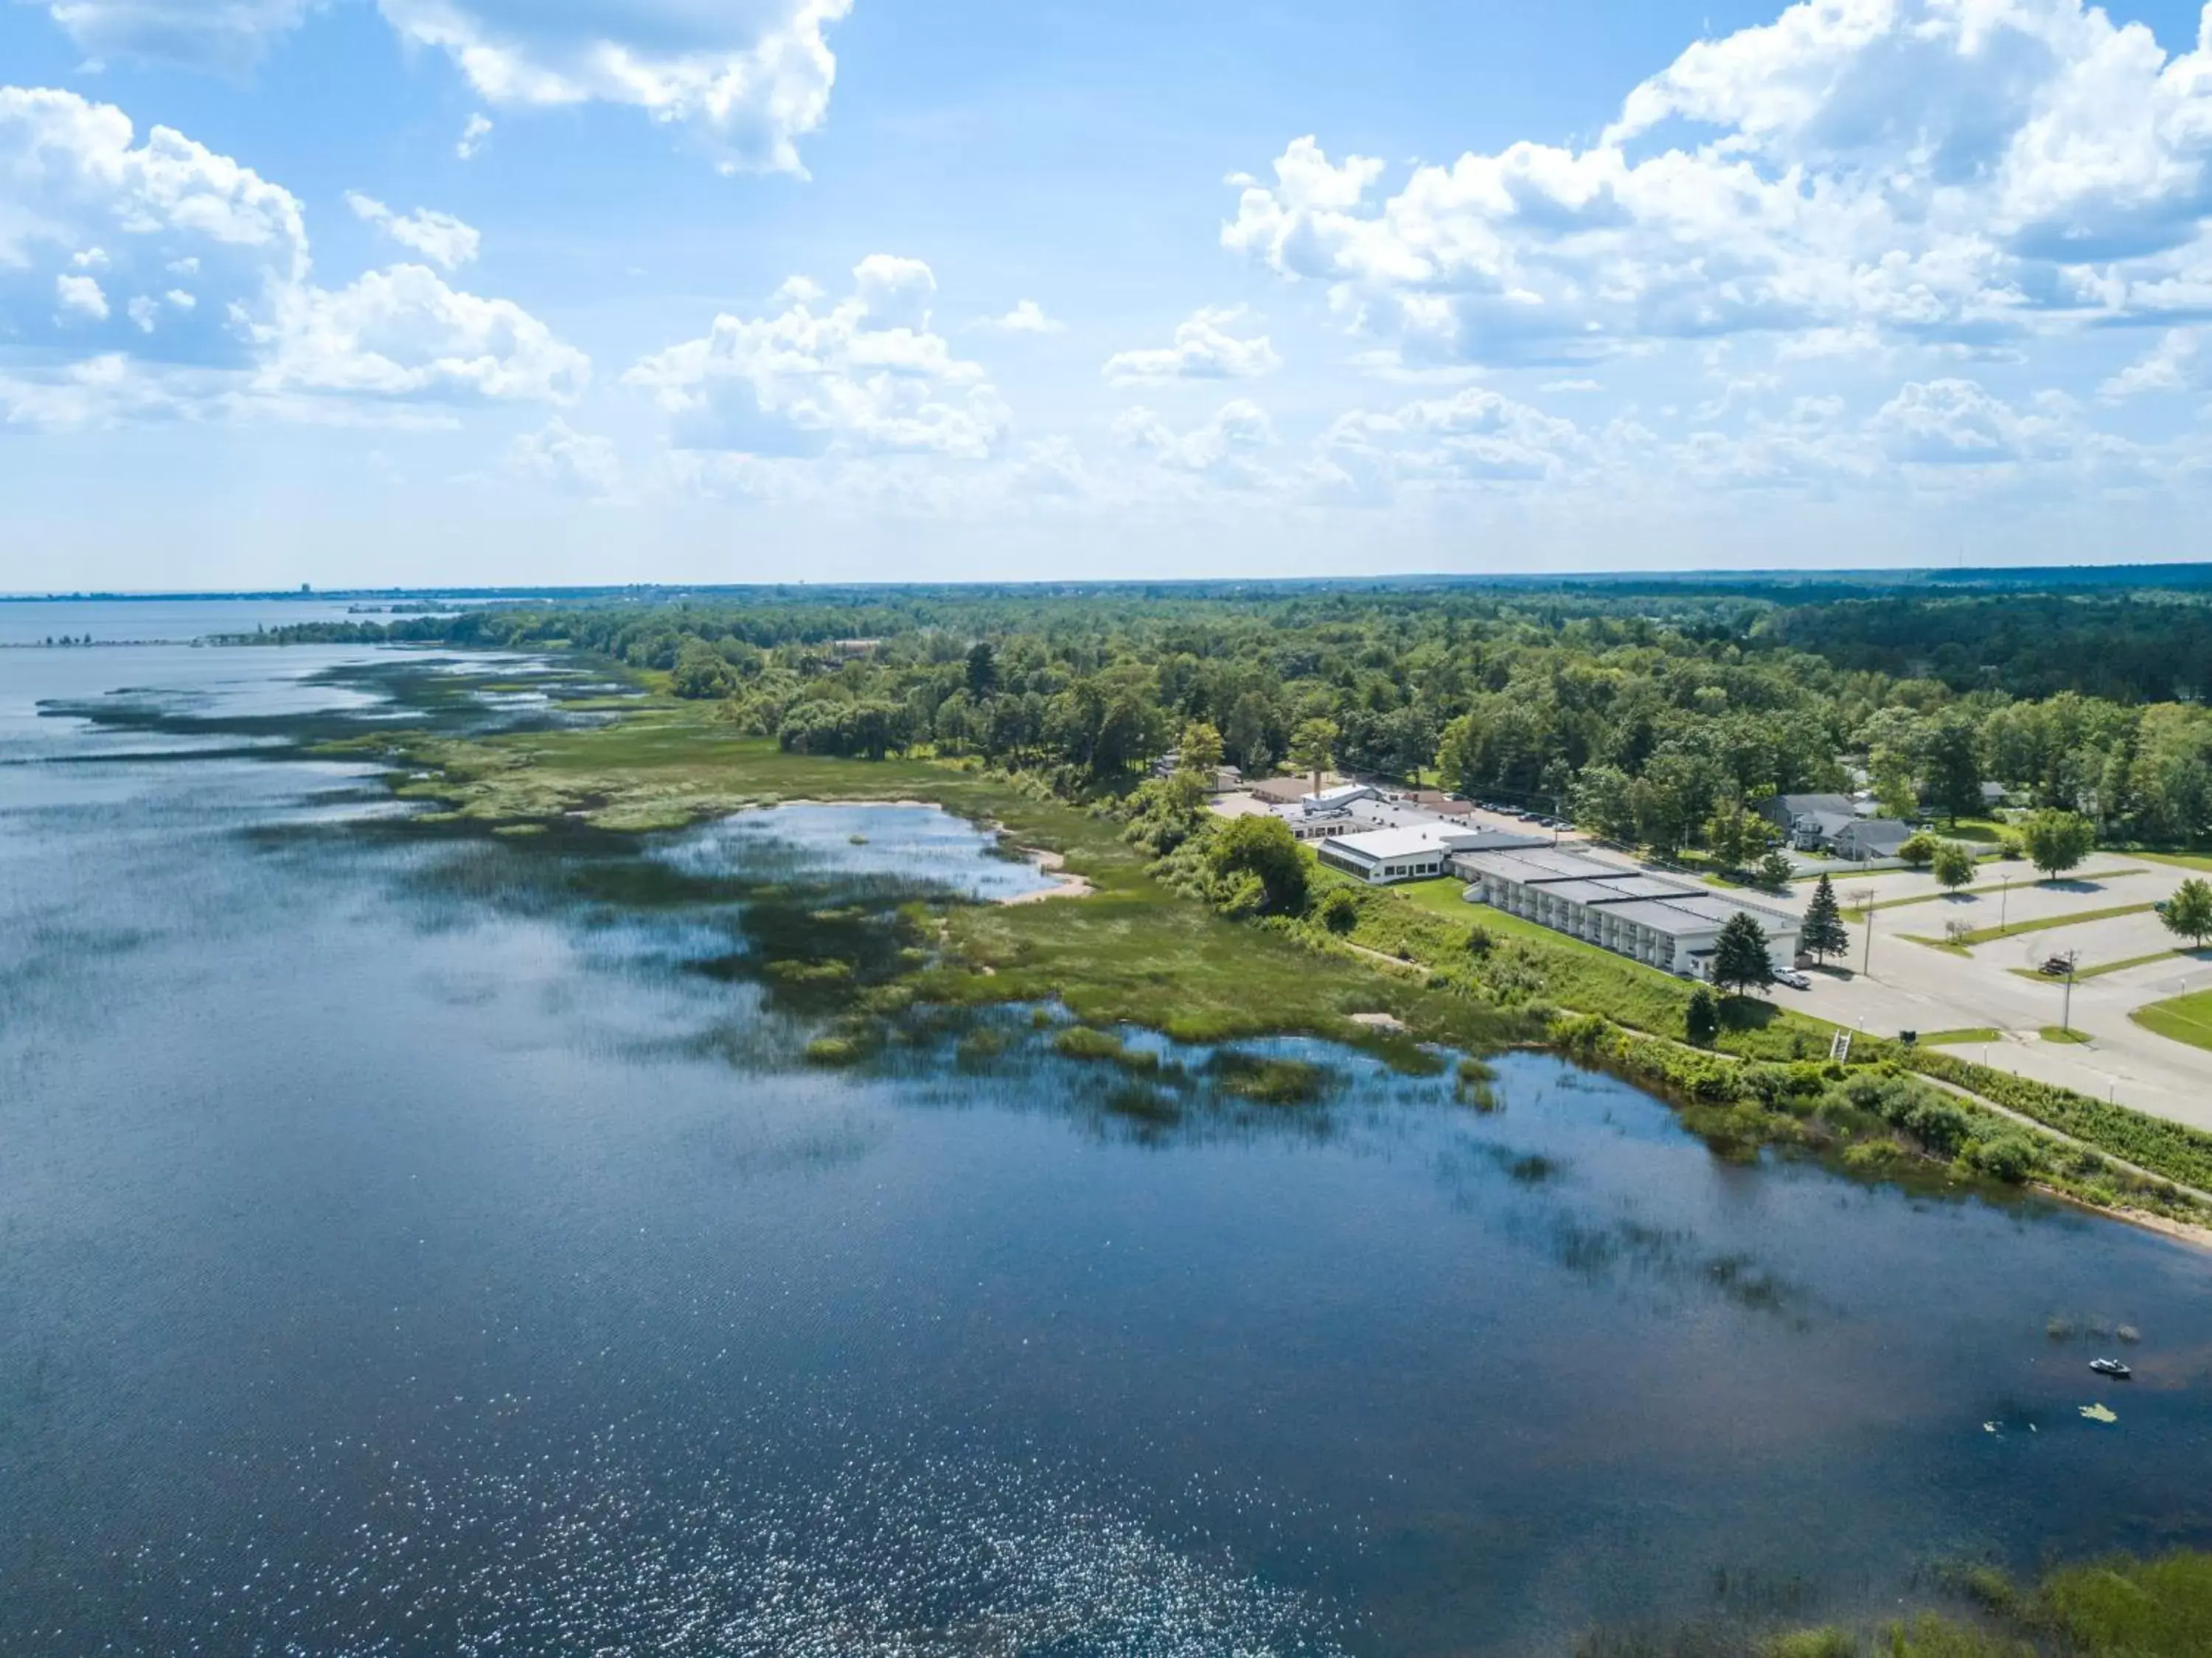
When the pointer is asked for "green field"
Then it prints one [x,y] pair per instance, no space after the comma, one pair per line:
[2103,967]
[2181,860]
[1960,1038]
[2183,1019]
[2043,924]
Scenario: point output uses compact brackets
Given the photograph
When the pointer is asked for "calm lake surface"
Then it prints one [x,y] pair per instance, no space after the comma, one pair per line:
[421,1244]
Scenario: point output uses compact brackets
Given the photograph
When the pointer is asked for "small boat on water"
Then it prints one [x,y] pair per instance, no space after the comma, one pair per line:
[2112,1368]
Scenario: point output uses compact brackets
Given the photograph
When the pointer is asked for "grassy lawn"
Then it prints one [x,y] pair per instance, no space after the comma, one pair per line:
[2044,924]
[1959,1038]
[2057,1033]
[2180,860]
[2103,967]
[2026,883]
[2183,1019]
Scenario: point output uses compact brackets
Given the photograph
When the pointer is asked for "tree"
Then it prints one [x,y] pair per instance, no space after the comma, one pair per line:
[1737,837]
[1919,850]
[1701,1020]
[1889,773]
[1774,872]
[1201,749]
[1953,865]
[1740,961]
[1265,848]
[2058,841]
[700,673]
[1951,755]
[2188,913]
[1313,745]
[1824,934]
[982,669]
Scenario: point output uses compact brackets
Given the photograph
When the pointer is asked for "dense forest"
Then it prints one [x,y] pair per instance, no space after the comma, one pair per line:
[1655,714]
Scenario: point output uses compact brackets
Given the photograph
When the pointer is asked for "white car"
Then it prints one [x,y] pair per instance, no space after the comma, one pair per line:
[1795,980]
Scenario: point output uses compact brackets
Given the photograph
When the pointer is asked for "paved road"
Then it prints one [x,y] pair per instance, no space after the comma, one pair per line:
[1912,987]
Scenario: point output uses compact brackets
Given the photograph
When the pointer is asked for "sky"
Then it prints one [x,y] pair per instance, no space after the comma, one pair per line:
[527,292]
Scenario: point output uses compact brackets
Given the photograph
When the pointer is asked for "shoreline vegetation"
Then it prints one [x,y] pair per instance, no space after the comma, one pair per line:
[1395,972]
[2117,1606]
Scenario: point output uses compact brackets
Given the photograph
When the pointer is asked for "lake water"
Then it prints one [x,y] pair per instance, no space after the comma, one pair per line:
[416,1243]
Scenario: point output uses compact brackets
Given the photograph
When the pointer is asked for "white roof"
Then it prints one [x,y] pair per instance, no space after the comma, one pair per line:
[1343,795]
[1382,844]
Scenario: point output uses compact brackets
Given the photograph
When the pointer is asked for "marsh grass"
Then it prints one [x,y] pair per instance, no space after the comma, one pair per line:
[2120,1607]
[1272,1082]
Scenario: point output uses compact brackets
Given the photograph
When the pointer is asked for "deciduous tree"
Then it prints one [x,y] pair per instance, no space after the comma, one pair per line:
[2058,841]
[1953,865]
[2188,913]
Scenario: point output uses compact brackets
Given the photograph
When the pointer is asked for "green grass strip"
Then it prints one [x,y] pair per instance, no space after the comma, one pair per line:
[1960,1038]
[1857,912]
[2043,924]
[2157,1143]
[2103,967]
[2180,859]
[2183,1019]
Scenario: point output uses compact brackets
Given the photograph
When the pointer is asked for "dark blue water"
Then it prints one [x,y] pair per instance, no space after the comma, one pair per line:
[427,1245]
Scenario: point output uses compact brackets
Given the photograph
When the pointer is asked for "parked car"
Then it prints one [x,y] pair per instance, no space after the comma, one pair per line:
[1794,980]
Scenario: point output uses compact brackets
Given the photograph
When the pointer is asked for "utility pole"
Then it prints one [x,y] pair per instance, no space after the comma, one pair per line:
[2066,1018]
[2004,904]
[1865,897]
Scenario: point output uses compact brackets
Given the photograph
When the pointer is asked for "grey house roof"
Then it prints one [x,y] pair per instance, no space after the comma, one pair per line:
[1787,808]
[1874,837]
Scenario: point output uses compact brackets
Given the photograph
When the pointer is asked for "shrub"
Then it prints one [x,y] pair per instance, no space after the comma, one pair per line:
[1265,848]
[1701,1020]
[2009,1157]
[1338,911]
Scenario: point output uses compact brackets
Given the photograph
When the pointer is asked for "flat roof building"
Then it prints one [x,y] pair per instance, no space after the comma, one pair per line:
[1336,799]
[1383,855]
[1653,918]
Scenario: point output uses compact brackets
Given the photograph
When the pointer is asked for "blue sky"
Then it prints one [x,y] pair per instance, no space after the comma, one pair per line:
[515,291]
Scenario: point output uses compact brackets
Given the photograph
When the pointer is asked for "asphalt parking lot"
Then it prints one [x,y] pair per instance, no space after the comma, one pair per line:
[1910,986]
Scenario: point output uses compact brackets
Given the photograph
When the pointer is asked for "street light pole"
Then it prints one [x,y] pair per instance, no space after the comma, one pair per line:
[2004,904]
[2066,1018]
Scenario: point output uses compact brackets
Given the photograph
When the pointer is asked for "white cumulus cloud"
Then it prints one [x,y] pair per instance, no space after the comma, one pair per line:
[204,303]
[578,463]
[229,35]
[401,332]
[438,237]
[1203,349]
[1027,317]
[748,77]
[865,374]
[1226,449]
[472,137]
[1957,172]
[1476,436]
[82,296]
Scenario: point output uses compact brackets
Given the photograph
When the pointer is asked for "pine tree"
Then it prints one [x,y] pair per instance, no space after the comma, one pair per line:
[1740,958]
[1701,1020]
[1825,935]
